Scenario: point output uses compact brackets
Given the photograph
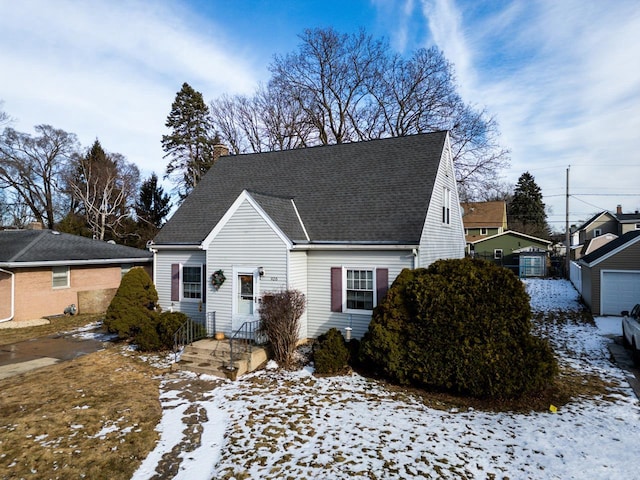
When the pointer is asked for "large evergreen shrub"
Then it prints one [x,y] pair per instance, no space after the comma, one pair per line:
[462,326]
[132,314]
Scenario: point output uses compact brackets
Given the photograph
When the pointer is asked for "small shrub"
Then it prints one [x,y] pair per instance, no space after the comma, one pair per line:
[330,353]
[168,323]
[462,326]
[280,321]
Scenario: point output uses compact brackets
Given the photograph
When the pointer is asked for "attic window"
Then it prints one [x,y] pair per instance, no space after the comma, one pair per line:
[637,226]
[597,232]
[446,206]
[483,231]
[60,277]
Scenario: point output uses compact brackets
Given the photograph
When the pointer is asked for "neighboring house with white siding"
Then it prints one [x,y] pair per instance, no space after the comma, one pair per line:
[337,223]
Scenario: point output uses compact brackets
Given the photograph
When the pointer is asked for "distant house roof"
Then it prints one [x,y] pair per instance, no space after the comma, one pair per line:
[611,248]
[25,248]
[367,192]
[516,234]
[484,214]
[597,242]
[628,217]
[594,218]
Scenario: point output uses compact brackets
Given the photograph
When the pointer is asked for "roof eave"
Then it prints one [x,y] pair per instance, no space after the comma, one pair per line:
[59,263]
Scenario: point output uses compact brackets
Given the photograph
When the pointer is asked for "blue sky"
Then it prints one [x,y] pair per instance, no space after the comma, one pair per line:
[562,77]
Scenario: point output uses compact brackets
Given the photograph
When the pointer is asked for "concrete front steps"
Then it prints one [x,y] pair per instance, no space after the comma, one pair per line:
[211,357]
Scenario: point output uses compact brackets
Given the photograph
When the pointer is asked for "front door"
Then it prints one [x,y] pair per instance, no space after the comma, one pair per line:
[245,303]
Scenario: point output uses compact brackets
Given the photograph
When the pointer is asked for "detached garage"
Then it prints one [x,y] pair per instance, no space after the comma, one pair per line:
[611,275]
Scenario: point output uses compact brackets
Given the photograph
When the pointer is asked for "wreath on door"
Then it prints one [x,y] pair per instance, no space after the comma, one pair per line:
[217,279]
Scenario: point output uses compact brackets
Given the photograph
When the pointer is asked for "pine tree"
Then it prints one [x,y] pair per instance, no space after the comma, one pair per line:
[526,210]
[152,205]
[190,143]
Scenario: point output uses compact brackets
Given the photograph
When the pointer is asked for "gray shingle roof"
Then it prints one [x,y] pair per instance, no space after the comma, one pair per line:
[374,191]
[609,247]
[43,246]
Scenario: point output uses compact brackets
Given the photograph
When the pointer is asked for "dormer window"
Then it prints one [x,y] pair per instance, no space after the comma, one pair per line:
[483,231]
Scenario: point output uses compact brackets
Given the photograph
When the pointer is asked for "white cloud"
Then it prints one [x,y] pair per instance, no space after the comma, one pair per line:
[110,69]
[563,79]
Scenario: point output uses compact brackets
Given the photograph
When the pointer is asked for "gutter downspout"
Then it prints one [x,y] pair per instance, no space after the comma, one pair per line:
[13,282]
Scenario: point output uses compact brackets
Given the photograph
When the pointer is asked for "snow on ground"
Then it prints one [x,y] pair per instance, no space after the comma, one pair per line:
[276,424]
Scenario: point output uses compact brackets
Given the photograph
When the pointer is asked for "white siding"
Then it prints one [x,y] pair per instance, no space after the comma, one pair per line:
[440,241]
[162,279]
[298,281]
[246,240]
[320,318]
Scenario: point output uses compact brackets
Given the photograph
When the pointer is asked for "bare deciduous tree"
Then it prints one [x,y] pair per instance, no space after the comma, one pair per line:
[105,186]
[32,166]
[341,88]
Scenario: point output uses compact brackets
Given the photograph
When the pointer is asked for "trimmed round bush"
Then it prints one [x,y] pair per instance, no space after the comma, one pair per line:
[330,353]
[462,326]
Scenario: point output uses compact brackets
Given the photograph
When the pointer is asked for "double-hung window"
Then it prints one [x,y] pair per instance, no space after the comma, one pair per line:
[359,289]
[192,282]
[60,277]
[497,254]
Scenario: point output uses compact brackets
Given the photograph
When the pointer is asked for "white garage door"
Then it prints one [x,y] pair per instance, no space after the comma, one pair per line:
[619,291]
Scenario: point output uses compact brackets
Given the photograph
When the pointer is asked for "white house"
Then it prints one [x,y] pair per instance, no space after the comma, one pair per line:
[337,223]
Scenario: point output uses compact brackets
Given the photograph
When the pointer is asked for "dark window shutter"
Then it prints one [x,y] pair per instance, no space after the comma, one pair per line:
[382,283]
[175,282]
[204,284]
[336,289]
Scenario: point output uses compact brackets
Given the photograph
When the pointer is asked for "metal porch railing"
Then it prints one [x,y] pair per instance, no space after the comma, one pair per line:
[193,330]
[243,339]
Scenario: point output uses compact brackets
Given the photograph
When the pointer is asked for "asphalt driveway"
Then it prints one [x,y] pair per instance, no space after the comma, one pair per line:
[20,357]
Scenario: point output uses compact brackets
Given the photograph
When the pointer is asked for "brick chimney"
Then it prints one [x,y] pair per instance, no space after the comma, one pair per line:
[619,210]
[220,150]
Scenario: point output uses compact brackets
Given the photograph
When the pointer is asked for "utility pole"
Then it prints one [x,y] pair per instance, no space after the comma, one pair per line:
[568,233]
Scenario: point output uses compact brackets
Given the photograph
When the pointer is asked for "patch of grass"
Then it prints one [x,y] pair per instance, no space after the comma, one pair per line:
[58,324]
[92,417]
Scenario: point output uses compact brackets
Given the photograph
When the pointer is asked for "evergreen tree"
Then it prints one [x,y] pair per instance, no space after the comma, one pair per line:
[190,143]
[526,210]
[153,205]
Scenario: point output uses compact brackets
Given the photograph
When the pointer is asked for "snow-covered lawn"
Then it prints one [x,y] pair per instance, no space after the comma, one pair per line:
[276,424]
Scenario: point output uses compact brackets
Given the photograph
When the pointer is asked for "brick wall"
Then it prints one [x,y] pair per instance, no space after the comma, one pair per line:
[35,297]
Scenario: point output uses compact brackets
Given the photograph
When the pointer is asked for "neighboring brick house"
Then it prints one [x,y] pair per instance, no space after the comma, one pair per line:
[44,271]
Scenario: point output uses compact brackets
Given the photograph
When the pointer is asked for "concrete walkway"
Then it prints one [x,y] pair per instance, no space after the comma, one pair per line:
[17,358]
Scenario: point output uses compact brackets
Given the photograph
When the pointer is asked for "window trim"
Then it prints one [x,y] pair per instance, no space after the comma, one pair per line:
[446,206]
[374,289]
[597,232]
[182,296]
[67,275]
[484,231]
[498,254]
